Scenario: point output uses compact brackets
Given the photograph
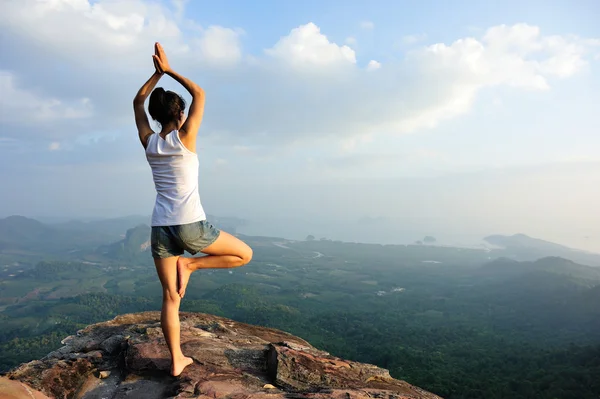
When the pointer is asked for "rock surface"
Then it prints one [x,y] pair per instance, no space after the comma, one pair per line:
[231,360]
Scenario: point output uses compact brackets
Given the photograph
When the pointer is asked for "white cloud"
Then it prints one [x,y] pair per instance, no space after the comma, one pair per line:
[25,107]
[516,56]
[304,87]
[68,28]
[433,84]
[365,163]
[179,6]
[350,40]
[373,65]
[367,25]
[306,46]
[54,146]
[413,39]
[351,144]
[220,45]
[563,54]
[87,33]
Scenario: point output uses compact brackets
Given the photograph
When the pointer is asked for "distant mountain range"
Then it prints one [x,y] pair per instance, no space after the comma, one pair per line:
[118,238]
[18,233]
[507,268]
[524,241]
[523,247]
[115,227]
[122,237]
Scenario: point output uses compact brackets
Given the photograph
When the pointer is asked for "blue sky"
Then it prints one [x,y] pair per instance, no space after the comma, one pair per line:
[457,119]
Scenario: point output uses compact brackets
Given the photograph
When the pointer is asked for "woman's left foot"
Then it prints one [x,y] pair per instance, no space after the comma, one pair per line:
[183,275]
[177,366]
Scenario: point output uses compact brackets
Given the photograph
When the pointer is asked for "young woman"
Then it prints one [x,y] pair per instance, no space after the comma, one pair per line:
[178,220]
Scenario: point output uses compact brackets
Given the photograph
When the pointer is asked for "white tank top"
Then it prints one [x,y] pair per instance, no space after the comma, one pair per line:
[175,174]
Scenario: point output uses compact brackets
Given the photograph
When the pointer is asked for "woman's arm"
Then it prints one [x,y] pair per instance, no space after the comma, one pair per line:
[141,119]
[190,128]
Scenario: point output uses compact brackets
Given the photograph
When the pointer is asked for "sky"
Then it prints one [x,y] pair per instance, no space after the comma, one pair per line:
[377,121]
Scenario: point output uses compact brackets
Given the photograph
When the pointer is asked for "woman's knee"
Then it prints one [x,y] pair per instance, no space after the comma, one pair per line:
[246,255]
[171,296]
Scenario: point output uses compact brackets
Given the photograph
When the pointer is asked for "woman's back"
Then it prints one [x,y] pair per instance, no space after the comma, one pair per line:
[175,174]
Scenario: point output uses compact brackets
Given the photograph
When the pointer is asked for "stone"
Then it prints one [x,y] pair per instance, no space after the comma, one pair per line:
[112,344]
[231,360]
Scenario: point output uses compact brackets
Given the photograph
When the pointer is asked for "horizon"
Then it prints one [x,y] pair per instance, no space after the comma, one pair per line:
[472,242]
[382,121]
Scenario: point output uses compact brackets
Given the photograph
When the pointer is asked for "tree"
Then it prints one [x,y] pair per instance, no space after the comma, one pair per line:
[429,240]
[310,237]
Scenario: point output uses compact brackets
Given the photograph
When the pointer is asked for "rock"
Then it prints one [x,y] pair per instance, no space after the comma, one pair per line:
[112,344]
[231,360]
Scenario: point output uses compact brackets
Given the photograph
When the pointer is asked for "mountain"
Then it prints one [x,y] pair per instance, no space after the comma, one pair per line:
[114,238]
[127,356]
[15,229]
[135,243]
[524,241]
[523,247]
[504,267]
[114,227]
[229,224]
[22,233]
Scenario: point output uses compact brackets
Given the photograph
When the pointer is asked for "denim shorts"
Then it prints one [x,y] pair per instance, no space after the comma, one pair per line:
[167,241]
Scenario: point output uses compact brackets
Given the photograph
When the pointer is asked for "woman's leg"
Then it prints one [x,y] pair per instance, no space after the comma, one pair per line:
[225,253]
[169,316]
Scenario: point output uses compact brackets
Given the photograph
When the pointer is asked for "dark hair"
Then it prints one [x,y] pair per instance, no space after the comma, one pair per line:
[165,106]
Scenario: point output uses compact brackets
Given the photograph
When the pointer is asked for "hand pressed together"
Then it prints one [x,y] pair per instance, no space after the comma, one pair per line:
[161,63]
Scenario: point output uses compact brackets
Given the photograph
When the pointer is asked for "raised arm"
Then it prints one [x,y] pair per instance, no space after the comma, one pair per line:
[141,119]
[189,130]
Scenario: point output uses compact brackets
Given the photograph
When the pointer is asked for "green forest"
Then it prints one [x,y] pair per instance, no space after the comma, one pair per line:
[461,323]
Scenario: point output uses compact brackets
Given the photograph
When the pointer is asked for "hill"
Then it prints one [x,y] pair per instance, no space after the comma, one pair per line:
[136,244]
[524,241]
[504,267]
[116,226]
[523,247]
[113,227]
[19,233]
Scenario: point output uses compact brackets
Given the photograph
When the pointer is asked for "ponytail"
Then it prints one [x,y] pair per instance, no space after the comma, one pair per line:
[165,106]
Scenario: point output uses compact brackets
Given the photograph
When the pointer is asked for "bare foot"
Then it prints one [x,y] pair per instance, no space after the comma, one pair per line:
[178,365]
[183,275]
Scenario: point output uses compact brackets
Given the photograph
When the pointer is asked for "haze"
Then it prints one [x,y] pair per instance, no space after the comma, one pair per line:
[378,122]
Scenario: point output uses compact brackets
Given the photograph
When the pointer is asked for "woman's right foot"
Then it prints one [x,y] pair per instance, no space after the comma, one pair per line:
[183,275]
[177,365]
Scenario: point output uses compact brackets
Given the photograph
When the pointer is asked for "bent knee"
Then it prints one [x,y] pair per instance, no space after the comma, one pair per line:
[171,295]
[245,256]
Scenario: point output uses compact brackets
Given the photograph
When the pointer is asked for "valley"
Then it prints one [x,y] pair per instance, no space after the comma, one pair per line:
[462,323]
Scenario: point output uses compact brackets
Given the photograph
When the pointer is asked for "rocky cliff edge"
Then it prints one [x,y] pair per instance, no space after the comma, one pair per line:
[127,358]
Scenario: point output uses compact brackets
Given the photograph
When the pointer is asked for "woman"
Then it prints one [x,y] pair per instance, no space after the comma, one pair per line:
[178,220]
